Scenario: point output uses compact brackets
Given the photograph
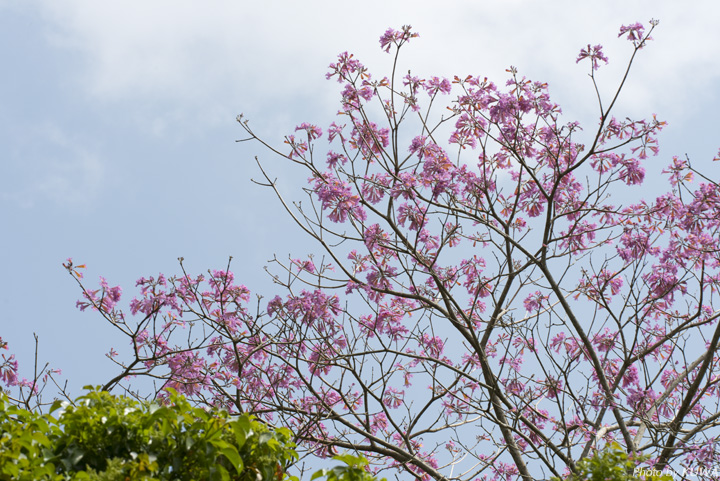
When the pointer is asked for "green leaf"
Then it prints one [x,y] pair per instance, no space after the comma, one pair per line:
[102,436]
[233,456]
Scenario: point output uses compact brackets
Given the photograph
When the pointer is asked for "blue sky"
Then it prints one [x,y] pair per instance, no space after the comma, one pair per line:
[117,126]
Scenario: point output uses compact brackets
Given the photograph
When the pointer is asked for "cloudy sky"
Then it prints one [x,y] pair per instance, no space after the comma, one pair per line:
[117,125]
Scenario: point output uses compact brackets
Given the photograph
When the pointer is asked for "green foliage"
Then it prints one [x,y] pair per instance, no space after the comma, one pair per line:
[614,464]
[354,470]
[106,437]
[25,444]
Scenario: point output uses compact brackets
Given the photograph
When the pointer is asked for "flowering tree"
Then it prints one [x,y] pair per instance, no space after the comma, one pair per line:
[488,303]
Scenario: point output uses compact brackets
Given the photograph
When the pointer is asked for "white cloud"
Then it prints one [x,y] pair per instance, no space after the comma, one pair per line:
[176,49]
[185,50]
[52,167]
[200,63]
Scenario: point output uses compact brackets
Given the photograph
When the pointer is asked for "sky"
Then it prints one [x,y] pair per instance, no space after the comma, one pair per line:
[117,127]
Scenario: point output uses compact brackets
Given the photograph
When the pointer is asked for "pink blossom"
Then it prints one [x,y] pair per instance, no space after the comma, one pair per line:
[476,284]
[351,96]
[605,341]
[679,171]
[436,84]
[393,398]
[417,146]
[663,280]
[514,362]
[514,386]
[632,172]
[563,342]
[388,321]
[579,237]
[306,265]
[320,360]
[411,213]
[375,237]
[594,53]
[338,197]
[438,171]
[370,139]
[404,186]
[297,148]
[412,82]
[372,191]
[433,346]
[641,399]
[635,31]
[333,158]
[630,378]
[396,37]
[554,386]
[524,343]
[313,131]
[335,130]
[428,241]
[379,280]
[9,370]
[534,302]
[345,68]
[378,422]
[463,139]
[634,244]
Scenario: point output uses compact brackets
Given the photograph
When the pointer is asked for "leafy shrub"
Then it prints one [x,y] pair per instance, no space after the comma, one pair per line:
[106,437]
[26,441]
[613,464]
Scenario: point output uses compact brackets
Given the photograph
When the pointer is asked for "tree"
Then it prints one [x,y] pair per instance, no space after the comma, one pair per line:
[102,436]
[614,464]
[493,306]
